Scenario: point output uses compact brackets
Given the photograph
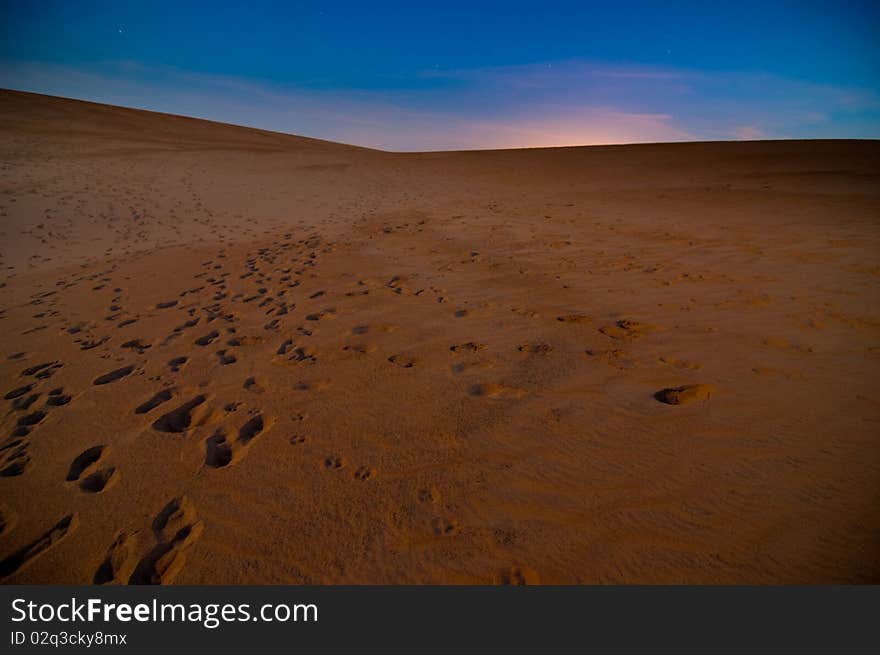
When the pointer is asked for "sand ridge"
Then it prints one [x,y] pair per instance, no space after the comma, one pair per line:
[232,356]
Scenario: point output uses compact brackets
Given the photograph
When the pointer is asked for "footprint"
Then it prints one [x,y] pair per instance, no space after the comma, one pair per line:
[174,519]
[574,318]
[47,373]
[360,348]
[397,283]
[58,398]
[88,344]
[29,553]
[626,329]
[191,323]
[254,427]
[177,363]
[252,384]
[7,520]
[445,527]
[99,480]
[466,367]
[176,530]
[31,419]
[334,462]
[686,394]
[180,419]
[327,314]
[615,357]
[17,393]
[138,345]
[113,376]
[495,390]
[39,368]
[403,361]
[245,341]
[313,385]
[207,338]
[226,357]
[16,462]
[517,576]
[84,461]
[303,354]
[158,398]
[469,347]
[220,452]
[24,403]
[536,348]
[298,439]
[364,473]
[119,562]
[680,363]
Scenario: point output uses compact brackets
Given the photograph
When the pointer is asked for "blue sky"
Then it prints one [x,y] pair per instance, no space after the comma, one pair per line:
[450,75]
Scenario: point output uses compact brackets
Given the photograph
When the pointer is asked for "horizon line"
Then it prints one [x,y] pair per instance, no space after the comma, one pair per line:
[417,152]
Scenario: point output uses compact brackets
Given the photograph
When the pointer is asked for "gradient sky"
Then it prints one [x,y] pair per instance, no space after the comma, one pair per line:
[453,75]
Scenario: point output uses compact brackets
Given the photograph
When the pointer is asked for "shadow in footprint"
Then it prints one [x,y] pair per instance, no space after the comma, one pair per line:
[220,452]
[179,419]
[20,391]
[137,344]
[113,376]
[24,556]
[176,530]
[158,398]
[8,519]
[58,398]
[251,429]
[24,403]
[31,419]
[16,464]
[208,338]
[99,480]
[33,370]
[117,562]
[177,363]
[83,461]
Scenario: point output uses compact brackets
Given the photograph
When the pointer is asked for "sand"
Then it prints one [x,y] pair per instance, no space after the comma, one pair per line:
[234,356]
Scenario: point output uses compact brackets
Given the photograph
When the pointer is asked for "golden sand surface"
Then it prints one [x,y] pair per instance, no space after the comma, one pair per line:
[235,356]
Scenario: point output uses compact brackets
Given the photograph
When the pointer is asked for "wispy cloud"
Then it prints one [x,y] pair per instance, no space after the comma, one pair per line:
[546,104]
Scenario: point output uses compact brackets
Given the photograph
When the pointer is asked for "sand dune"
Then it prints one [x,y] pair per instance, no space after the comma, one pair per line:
[234,356]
